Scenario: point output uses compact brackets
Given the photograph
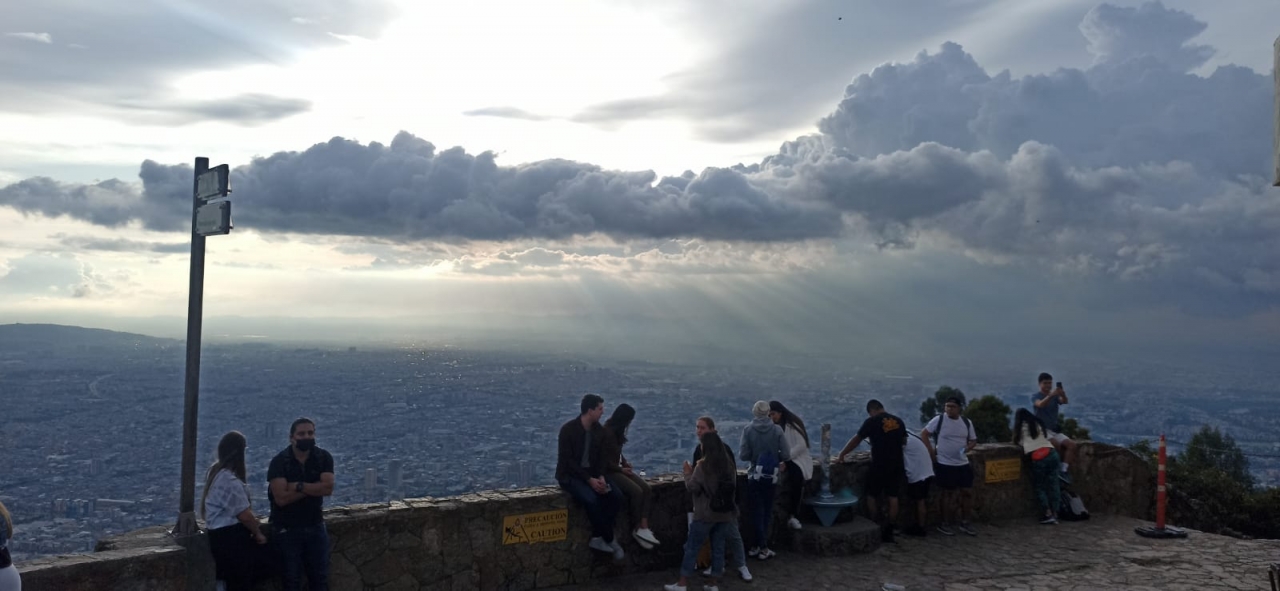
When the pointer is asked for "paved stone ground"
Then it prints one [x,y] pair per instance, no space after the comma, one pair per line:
[1100,554]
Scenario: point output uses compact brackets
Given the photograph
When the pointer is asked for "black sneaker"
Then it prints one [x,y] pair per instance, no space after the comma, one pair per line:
[886,534]
[915,530]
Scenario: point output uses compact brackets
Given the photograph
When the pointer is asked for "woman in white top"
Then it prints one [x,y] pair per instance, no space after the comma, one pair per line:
[234,536]
[1030,433]
[800,467]
[10,580]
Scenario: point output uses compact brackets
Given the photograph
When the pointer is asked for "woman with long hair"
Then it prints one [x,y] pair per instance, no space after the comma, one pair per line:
[800,467]
[1030,433]
[10,580]
[622,476]
[713,482]
[234,536]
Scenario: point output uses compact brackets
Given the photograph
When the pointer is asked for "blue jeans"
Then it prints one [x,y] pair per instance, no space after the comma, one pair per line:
[304,548]
[760,505]
[698,533]
[602,509]
[733,542]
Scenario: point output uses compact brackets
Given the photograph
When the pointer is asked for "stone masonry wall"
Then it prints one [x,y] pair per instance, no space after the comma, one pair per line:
[456,543]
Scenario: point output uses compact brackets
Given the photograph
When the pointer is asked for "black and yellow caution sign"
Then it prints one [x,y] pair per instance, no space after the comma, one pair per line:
[1003,470]
[531,528]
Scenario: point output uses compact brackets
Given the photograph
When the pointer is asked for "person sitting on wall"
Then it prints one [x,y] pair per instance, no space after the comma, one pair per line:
[623,477]
[580,472]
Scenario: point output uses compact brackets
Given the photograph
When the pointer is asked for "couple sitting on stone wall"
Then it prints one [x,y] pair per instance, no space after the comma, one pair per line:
[593,470]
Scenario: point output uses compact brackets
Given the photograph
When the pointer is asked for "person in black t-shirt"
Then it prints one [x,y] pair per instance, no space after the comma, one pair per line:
[888,435]
[299,479]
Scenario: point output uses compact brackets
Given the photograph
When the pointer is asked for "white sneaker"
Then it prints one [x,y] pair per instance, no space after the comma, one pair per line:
[707,572]
[645,536]
[766,554]
[754,551]
[710,588]
[746,574]
[674,587]
[618,554]
[794,523]
[598,543]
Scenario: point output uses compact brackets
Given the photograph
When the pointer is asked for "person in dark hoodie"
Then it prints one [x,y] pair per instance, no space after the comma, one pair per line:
[765,447]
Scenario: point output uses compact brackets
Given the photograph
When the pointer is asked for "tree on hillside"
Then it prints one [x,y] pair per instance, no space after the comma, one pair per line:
[1211,449]
[1071,428]
[990,418]
[933,406]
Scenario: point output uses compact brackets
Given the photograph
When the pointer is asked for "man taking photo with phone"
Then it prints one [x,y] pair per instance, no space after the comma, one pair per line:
[1045,404]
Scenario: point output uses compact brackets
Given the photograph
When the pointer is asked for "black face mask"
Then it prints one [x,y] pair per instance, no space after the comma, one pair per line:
[304,444]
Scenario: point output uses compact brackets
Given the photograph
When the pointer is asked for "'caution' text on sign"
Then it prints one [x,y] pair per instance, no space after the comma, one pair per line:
[531,528]
[1003,470]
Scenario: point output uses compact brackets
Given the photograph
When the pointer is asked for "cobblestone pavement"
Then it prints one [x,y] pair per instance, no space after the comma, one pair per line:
[1100,554]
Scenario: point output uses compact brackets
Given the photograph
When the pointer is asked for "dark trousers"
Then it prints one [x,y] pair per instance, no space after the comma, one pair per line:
[304,548]
[602,509]
[638,494]
[760,504]
[795,488]
[239,560]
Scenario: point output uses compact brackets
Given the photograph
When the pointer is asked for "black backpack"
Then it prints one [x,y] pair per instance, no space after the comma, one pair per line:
[1071,507]
[724,500]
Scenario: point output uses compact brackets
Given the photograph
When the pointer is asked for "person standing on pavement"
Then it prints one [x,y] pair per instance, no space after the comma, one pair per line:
[918,463]
[235,538]
[888,435]
[800,467]
[764,446]
[299,478]
[733,535]
[1031,434]
[712,482]
[950,438]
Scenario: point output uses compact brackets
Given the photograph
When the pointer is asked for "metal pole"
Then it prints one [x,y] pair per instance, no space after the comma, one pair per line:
[1160,490]
[191,409]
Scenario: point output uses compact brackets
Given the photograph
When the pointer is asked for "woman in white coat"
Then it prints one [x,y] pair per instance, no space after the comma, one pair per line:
[800,467]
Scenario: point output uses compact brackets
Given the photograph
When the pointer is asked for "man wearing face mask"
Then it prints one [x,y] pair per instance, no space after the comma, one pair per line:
[299,479]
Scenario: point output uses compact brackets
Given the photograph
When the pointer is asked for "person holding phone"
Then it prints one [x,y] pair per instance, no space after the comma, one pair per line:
[1045,405]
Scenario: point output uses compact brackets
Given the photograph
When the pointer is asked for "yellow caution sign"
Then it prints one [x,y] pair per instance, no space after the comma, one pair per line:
[1003,470]
[531,528]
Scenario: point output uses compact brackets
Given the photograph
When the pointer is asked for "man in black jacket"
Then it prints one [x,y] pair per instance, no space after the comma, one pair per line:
[580,472]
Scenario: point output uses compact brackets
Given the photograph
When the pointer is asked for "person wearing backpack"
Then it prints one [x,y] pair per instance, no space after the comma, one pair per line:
[713,483]
[733,536]
[950,437]
[764,446]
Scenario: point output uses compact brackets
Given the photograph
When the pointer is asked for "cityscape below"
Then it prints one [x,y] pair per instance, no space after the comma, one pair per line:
[93,419]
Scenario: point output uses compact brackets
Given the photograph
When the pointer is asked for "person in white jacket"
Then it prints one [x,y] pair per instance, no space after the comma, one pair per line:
[800,467]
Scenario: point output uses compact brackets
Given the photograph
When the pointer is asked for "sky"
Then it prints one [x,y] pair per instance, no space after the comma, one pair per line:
[811,177]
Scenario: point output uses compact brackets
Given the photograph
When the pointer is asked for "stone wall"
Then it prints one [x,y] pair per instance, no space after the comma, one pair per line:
[457,542]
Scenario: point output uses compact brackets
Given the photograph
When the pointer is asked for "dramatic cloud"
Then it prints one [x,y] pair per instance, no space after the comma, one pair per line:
[1133,170]
[109,56]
